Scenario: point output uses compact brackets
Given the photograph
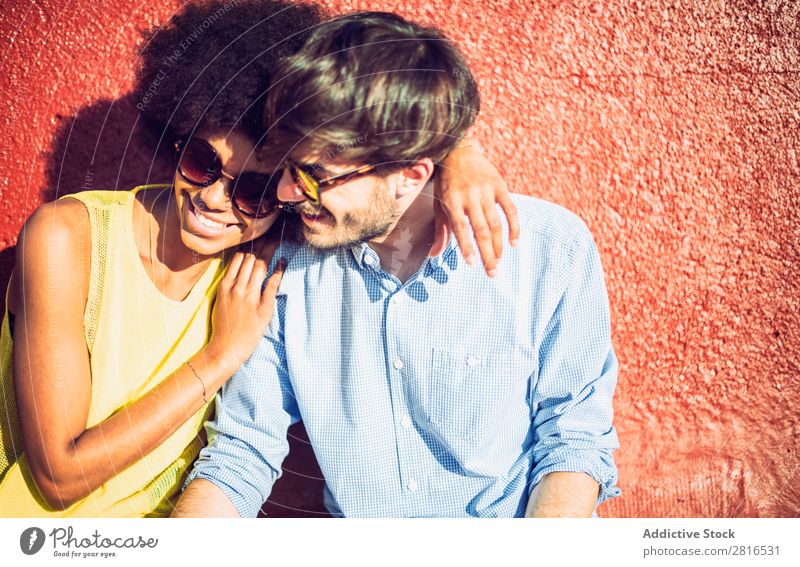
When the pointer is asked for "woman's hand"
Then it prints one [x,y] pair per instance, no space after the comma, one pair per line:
[242,310]
[468,186]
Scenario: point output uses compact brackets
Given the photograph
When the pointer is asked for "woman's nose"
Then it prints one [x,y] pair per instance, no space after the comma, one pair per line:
[215,196]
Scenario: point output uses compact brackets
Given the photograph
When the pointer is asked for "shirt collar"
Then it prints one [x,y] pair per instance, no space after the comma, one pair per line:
[433,263]
[359,251]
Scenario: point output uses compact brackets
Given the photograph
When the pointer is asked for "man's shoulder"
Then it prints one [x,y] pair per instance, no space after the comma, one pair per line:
[540,219]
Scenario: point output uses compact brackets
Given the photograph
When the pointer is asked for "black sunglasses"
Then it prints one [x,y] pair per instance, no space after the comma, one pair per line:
[253,194]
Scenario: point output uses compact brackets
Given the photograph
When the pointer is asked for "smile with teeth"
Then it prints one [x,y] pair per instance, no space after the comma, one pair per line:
[207,222]
[203,221]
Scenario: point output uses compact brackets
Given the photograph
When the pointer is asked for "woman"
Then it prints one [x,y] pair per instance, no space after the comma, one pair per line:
[127,311]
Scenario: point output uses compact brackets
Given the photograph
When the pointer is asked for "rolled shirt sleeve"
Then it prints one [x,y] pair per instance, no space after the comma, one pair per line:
[577,373]
[247,440]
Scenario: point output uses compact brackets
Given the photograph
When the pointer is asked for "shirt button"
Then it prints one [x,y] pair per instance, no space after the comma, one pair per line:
[398,363]
[368,260]
[472,361]
[405,422]
[412,485]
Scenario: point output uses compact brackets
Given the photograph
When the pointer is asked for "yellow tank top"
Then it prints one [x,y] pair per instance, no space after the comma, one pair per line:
[136,337]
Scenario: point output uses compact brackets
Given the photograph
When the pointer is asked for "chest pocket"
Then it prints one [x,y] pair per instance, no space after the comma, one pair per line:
[470,393]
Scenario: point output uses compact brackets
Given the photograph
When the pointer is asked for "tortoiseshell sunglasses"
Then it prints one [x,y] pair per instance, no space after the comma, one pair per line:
[311,187]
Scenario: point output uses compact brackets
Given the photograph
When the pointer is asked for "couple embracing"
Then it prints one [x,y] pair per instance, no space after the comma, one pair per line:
[310,261]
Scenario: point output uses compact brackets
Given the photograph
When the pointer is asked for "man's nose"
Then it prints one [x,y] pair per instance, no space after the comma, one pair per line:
[288,191]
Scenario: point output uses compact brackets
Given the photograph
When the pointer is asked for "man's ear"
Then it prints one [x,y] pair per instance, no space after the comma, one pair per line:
[412,179]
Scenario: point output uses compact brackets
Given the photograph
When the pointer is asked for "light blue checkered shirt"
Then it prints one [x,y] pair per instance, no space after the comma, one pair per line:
[450,395]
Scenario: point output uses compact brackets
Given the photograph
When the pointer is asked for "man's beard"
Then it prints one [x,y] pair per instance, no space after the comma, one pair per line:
[373,220]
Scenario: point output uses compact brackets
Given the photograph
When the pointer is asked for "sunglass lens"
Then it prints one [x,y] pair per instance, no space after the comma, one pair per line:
[256,194]
[199,163]
[308,185]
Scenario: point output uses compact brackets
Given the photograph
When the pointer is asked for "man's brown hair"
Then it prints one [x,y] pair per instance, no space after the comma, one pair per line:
[370,88]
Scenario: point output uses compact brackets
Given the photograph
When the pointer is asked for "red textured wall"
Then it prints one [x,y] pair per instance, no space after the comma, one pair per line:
[671,127]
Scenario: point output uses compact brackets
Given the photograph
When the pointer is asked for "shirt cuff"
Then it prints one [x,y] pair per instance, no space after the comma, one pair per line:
[598,464]
[245,505]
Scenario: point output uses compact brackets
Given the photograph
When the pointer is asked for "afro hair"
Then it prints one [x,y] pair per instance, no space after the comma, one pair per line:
[210,66]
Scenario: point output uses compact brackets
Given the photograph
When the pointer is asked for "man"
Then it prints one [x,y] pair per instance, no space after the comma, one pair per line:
[426,388]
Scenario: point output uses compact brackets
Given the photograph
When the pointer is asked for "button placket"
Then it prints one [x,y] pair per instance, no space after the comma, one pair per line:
[404,434]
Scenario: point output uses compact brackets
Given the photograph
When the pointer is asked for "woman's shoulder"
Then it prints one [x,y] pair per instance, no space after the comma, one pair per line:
[56,220]
[65,223]
[52,246]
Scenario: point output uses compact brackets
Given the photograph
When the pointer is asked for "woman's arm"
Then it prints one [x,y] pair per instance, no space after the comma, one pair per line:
[468,186]
[52,377]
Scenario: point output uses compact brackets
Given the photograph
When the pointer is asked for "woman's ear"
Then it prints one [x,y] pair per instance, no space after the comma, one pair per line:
[413,178]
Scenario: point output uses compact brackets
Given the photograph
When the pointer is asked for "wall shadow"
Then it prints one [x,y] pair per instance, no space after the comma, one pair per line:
[103,146]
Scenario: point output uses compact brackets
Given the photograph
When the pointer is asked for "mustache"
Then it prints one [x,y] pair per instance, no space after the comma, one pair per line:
[311,209]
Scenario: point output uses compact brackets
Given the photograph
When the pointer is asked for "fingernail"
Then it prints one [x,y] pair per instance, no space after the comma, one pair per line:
[492,273]
[470,259]
[515,242]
